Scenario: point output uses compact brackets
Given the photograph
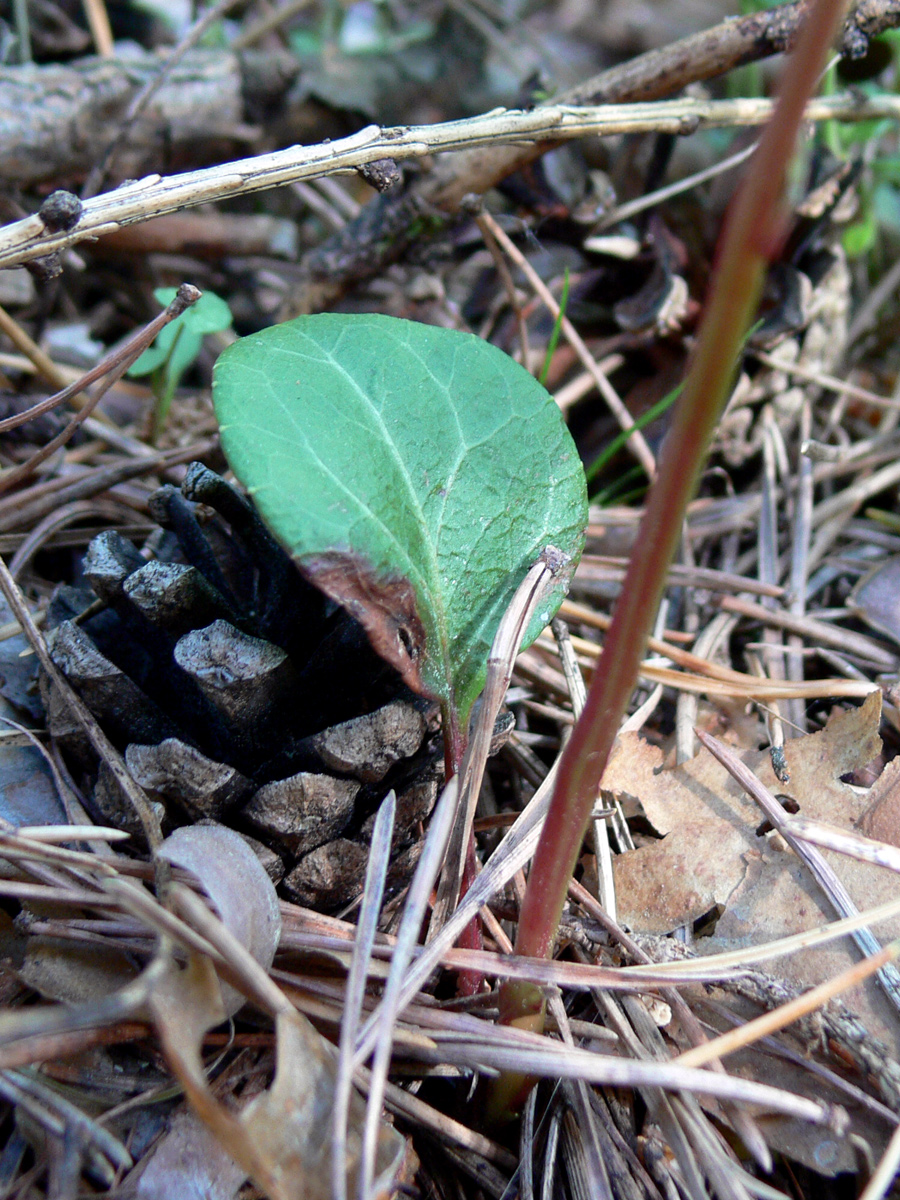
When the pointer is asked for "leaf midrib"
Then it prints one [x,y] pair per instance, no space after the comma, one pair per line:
[429,580]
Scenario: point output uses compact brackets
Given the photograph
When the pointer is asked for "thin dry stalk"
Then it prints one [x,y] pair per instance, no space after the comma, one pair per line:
[60,1118]
[813,630]
[867,314]
[272,21]
[138,105]
[770,665]
[799,569]
[636,440]
[104,510]
[32,504]
[366,930]
[846,502]
[376,1035]
[507,640]
[415,1110]
[98,23]
[48,1047]
[514,851]
[596,1178]
[743,1122]
[679,1117]
[101,743]
[508,286]
[827,382]
[780,1018]
[720,681]
[322,206]
[624,212]
[71,833]
[114,367]
[578,696]
[557,1061]
[551,1157]
[527,1148]
[42,363]
[830,837]
[680,575]
[557,973]
[886,1171]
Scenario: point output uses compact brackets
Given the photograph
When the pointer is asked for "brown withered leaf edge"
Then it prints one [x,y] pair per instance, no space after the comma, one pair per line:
[384,604]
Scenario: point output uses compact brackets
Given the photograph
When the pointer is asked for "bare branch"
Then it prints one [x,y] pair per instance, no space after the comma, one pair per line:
[30,238]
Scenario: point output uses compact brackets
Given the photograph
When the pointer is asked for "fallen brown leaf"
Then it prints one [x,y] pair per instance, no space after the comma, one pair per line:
[710,856]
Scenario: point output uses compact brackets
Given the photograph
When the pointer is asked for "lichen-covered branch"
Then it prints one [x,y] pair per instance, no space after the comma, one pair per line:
[153,196]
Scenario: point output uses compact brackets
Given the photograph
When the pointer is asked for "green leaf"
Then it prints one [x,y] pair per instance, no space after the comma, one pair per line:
[154,356]
[557,329]
[861,133]
[859,238]
[305,43]
[887,167]
[185,347]
[414,473]
[210,314]
[886,207]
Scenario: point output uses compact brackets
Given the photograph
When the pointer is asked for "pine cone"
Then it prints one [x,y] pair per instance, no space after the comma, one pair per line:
[240,693]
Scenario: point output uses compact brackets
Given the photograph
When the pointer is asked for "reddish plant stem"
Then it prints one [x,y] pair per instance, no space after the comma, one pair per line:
[470,982]
[454,741]
[751,237]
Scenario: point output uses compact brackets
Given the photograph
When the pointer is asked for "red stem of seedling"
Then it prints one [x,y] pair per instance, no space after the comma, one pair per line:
[752,236]
[469,983]
[454,741]
[470,939]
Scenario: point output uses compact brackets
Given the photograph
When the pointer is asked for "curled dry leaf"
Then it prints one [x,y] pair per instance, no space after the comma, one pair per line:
[881,820]
[72,972]
[290,1124]
[282,1138]
[237,884]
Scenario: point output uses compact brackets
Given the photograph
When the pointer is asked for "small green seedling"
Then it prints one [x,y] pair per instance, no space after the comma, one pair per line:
[176,348]
[611,449]
[557,329]
[415,474]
